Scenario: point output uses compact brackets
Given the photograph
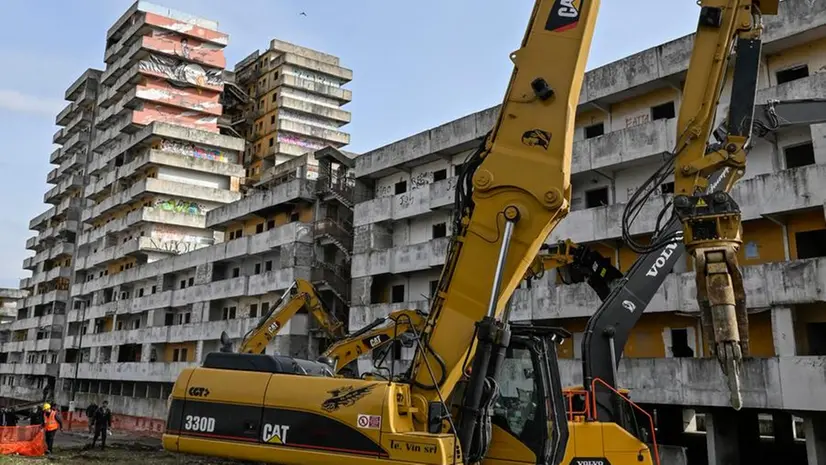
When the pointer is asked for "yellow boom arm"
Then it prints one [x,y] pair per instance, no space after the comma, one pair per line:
[374,336]
[511,194]
[302,295]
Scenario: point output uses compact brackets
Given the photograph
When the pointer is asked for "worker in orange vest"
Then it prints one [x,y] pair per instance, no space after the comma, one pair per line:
[51,423]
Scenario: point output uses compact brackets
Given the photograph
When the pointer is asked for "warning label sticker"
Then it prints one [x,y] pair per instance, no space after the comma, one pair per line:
[369,421]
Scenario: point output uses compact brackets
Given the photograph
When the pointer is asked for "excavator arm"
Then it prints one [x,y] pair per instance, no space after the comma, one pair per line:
[373,336]
[302,295]
[511,194]
[608,330]
[710,218]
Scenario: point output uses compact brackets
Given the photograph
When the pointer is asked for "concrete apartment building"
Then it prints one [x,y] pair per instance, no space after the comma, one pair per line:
[625,125]
[36,334]
[156,243]
[294,106]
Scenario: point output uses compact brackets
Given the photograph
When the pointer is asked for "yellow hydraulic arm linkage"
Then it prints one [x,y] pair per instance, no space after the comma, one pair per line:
[704,173]
[302,294]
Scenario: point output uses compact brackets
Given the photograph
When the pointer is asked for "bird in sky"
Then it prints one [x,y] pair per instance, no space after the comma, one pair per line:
[302,14]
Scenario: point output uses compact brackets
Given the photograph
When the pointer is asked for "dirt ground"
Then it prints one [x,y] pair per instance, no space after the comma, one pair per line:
[120,449]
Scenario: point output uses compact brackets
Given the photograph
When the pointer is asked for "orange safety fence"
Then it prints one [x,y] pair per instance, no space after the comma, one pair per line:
[22,440]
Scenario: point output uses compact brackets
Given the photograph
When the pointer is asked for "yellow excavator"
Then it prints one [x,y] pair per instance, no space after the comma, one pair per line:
[481,389]
[300,295]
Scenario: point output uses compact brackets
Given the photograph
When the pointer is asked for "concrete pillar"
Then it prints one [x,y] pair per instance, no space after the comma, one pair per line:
[783,332]
[815,429]
[146,352]
[722,437]
[819,142]
[783,429]
[199,352]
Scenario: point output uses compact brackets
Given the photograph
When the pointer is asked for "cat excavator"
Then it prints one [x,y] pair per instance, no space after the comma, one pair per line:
[511,193]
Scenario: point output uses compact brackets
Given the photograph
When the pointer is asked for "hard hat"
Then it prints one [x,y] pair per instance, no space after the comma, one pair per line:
[47,406]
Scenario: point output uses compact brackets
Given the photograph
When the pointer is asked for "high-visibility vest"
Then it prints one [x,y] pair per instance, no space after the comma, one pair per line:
[51,421]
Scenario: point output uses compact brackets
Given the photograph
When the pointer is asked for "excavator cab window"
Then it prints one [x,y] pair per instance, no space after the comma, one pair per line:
[530,404]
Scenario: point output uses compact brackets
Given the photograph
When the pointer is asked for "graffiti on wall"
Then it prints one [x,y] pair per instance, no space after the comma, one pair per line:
[172,43]
[192,150]
[164,113]
[158,90]
[302,118]
[181,73]
[636,120]
[311,76]
[175,247]
[300,141]
[182,26]
[180,206]
[421,179]
[167,233]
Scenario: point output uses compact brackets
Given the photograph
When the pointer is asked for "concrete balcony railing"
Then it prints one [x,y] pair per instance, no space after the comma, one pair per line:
[766,194]
[334,113]
[339,72]
[250,205]
[160,187]
[224,289]
[38,223]
[338,93]
[38,322]
[48,297]
[65,114]
[31,243]
[52,177]
[145,214]
[782,383]
[235,249]
[402,259]
[54,194]
[51,232]
[276,280]
[159,157]
[70,206]
[28,393]
[311,130]
[770,284]
[64,272]
[29,263]
[25,283]
[73,162]
[157,372]
[417,201]
[172,334]
[56,156]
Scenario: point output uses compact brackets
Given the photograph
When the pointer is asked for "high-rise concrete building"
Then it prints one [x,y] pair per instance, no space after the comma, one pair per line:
[152,250]
[625,125]
[294,106]
[157,164]
[36,334]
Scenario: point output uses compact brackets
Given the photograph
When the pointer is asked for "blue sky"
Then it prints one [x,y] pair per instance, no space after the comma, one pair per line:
[416,64]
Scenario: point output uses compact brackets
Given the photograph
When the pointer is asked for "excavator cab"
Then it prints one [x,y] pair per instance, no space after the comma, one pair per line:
[528,419]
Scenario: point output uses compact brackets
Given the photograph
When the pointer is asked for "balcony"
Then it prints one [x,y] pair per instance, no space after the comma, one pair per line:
[333,113]
[766,194]
[420,200]
[131,371]
[38,223]
[51,178]
[261,201]
[311,130]
[770,284]
[402,259]
[782,383]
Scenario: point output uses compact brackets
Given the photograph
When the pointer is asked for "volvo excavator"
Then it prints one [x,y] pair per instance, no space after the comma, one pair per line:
[511,194]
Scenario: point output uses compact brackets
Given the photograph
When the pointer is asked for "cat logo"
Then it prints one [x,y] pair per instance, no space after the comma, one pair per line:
[273,327]
[564,15]
[275,434]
